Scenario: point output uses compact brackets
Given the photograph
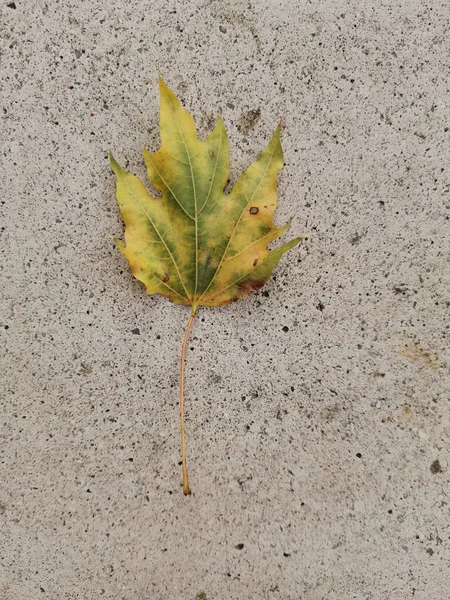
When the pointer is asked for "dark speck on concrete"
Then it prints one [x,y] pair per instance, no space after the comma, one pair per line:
[136,331]
[436,467]
[248,120]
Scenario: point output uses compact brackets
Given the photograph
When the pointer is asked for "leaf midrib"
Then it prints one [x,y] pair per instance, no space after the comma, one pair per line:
[195,195]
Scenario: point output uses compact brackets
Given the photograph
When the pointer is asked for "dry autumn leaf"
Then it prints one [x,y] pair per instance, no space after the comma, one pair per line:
[196,244]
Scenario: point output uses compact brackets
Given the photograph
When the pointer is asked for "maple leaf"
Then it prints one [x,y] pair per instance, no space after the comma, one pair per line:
[196,244]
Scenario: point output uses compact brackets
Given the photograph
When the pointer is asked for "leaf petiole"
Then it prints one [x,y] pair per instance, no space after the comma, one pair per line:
[186,488]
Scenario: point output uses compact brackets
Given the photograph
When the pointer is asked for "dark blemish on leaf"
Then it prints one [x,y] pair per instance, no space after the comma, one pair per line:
[211,153]
[254,210]
[165,278]
[136,331]
[255,262]
[250,285]
[436,467]
[205,269]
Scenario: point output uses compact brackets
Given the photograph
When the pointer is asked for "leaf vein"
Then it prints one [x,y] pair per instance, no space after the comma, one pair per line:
[188,298]
[238,222]
[168,187]
[214,172]
[195,219]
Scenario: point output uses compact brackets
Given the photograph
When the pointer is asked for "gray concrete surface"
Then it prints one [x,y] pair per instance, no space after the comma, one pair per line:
[318,410]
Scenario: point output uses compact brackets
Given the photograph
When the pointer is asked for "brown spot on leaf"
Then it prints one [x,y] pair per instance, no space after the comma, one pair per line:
[211,153]
[134,268]
[165,278]
[249,286]
[255,262]
[254,210]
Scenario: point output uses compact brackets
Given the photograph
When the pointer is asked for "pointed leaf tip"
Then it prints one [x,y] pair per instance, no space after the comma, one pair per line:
[163,87]
[114,164]
[119,243]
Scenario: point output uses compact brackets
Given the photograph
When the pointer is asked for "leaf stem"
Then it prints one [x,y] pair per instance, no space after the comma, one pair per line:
[186,489]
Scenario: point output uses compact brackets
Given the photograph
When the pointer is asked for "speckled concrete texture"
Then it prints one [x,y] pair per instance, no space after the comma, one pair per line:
[318,421]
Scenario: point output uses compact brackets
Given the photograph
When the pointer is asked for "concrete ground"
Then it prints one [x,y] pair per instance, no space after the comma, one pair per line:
[318,421]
